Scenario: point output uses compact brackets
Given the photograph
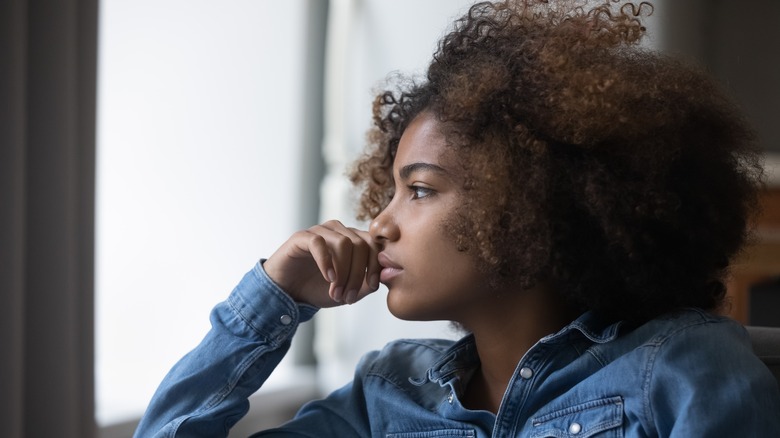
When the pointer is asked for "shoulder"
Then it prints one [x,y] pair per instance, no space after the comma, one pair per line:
[687,345]
[697,335]
[695,322]
[700,364]
[687,334]
[694,342]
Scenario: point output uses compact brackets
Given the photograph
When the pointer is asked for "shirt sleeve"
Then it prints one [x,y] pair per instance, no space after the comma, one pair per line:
[343,413]
[206,392]
[708,382]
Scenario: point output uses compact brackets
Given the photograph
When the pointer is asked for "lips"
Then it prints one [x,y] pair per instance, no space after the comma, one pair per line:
[390,269]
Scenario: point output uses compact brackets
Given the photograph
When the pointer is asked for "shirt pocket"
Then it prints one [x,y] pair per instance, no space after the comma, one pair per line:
[602,418]
[441,433]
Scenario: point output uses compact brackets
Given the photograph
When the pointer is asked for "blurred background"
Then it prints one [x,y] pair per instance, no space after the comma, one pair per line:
[153,151]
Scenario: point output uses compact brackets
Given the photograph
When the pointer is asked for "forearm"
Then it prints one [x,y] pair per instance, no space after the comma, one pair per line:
[206,391]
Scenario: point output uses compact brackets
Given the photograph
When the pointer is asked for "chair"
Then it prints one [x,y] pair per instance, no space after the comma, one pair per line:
[766,345]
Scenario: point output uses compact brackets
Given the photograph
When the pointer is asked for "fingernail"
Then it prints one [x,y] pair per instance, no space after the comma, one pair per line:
[331,275]
[337,294]
[374,281]
[351,296]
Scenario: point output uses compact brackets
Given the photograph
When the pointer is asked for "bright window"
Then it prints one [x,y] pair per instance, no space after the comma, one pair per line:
[200,153]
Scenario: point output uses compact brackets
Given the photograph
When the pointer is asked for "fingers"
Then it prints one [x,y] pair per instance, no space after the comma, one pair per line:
[318,247]
[347,258]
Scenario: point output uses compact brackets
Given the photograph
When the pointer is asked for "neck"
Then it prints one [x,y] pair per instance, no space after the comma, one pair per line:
[510,327]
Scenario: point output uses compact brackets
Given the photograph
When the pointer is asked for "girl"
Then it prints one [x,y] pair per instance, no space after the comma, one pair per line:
[568,199]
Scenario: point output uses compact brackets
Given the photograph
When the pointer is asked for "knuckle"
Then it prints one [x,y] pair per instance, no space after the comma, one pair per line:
[316,240]
[332,223]
[316,229]
[343,242]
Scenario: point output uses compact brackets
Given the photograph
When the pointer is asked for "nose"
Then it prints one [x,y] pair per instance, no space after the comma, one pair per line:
[384,228]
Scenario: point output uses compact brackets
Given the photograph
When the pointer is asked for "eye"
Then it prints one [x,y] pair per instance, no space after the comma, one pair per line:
[419,192]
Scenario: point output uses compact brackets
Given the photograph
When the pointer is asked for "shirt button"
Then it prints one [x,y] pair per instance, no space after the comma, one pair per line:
[285,319]
[575,428]
[526,373]
[451,397]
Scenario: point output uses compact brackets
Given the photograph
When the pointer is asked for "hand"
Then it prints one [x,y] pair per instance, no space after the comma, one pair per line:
[326,265]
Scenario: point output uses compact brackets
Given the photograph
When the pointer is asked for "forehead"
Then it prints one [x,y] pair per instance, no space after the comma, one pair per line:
[421,142]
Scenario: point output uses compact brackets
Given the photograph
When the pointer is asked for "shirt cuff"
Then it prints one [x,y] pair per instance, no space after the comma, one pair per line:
[266,308]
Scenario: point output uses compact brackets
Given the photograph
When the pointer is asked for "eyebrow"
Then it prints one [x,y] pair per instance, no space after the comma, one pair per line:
[409,169]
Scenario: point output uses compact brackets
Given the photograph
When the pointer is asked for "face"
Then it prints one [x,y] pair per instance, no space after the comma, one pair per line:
[427,277]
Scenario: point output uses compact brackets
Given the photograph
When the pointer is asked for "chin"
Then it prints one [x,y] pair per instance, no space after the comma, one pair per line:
[407,310]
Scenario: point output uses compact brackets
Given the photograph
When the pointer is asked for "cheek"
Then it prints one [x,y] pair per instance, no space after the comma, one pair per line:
[444,264]
[438,243]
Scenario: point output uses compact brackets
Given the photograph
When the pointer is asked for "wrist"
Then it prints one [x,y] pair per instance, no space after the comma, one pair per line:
[273,275]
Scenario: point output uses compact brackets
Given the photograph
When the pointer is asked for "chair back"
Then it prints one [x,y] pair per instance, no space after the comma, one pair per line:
[766,345]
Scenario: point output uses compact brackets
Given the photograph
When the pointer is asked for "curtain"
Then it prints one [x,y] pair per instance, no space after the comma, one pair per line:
[48,55]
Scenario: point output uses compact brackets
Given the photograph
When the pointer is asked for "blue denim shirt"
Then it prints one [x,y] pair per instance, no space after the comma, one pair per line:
[690,374]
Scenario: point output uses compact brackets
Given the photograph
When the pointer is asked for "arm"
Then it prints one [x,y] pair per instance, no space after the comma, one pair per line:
[206,391]
[709,383]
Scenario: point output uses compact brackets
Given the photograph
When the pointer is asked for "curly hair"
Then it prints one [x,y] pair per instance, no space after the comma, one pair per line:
[624,178]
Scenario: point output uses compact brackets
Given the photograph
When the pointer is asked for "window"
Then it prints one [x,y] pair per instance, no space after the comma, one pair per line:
[200,155]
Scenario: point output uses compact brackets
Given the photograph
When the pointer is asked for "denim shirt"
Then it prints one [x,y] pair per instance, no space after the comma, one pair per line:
[687,374]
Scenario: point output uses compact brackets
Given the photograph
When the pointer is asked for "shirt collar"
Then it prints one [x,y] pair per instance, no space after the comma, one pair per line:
[462,356]
[589,325]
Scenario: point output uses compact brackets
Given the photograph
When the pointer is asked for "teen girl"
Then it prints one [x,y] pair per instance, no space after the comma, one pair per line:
[570,200]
